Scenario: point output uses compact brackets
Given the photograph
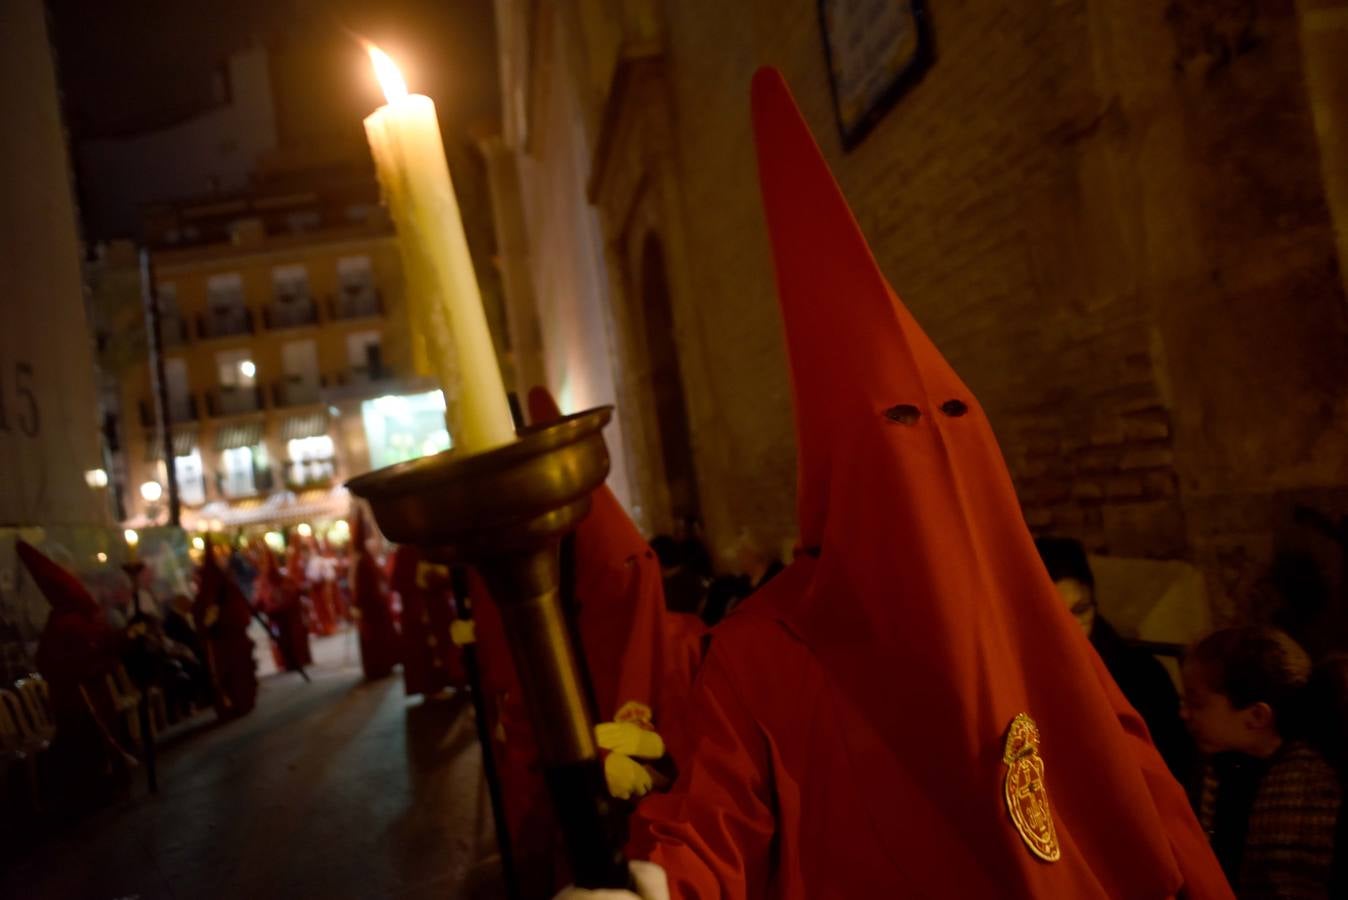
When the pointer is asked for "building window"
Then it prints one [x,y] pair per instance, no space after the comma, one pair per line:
[191,478]
[399,428]
[172,328]
[304,220]
[238,383]
[311,460]
[356,294]
[236,470]
[293,304]
[237,369]
[179,394]
[290,283]
[365,356]
[244,471]
[227,312]
[299,362]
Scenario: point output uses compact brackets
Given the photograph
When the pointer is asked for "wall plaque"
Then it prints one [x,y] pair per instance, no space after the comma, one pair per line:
[876,50]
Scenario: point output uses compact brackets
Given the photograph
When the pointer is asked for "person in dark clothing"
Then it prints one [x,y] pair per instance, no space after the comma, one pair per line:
[184,645]
[692,548]
[723,594]
[1141,677]
[178,627]
[1273,809]
[685,589]
[756,568]
[1328,717]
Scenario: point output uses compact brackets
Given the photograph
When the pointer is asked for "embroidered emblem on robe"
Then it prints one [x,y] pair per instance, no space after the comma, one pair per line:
[1026,794]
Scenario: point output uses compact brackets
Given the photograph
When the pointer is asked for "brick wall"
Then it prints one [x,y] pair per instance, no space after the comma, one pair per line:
[1109,215]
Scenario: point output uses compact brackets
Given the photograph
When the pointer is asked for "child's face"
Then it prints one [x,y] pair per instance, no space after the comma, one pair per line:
[1215,724]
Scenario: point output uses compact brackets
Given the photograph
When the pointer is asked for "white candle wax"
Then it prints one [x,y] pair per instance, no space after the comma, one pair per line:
[409,156]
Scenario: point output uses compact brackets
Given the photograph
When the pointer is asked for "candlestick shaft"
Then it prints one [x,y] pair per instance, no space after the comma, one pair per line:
[505,511]
[525,586]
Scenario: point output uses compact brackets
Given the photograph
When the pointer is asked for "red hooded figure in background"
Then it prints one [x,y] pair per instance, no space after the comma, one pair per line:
[320,570]
[77,649]
[430,659]
[280,596]
[907,710]
[222,615]
[639,663]
[378,637]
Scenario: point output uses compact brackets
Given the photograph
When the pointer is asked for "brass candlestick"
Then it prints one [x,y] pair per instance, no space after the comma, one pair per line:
[504,511]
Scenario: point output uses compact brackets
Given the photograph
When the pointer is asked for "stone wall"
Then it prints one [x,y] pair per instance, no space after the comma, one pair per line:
[1111,216]
[1115,217]
[48,414]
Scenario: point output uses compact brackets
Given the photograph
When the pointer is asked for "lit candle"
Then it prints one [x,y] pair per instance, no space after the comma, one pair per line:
[442,288]
[132,543]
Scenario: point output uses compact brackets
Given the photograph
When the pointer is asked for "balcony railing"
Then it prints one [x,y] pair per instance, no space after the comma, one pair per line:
[314,473]
[180,409]
[294,313]
[297,393]
[173,331]
[220,323]
[234,485]
[234,401]
[355,304]
[363,375]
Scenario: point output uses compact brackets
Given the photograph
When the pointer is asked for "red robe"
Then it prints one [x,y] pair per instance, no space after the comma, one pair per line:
[279,596]
[378,637]
[321,590]
[430,659]
[222,617]
[634,653]
[77,649]
[858,726]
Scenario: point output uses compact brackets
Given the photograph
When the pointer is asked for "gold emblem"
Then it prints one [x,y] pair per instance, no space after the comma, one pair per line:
[1026,795]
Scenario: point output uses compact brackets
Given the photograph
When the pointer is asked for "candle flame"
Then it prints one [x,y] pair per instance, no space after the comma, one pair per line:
[386,70]
[132,537]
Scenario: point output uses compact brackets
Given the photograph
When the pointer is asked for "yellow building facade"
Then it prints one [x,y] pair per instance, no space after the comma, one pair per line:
[271,345]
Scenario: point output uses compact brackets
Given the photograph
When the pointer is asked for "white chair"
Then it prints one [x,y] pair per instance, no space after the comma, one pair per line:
[125,699]
[19,743]
[36,697]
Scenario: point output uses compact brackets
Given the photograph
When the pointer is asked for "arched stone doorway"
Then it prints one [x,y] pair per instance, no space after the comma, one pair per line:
[666,384]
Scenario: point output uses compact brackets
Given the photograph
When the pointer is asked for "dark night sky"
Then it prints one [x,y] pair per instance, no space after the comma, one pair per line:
[138,64]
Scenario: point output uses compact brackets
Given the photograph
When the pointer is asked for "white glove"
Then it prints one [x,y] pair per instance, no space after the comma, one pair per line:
[650,881]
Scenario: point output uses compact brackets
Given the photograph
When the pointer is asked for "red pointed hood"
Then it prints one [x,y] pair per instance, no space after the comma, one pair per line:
[927,602]
[360,531]
[607,536]
[63,591]
[210,576]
